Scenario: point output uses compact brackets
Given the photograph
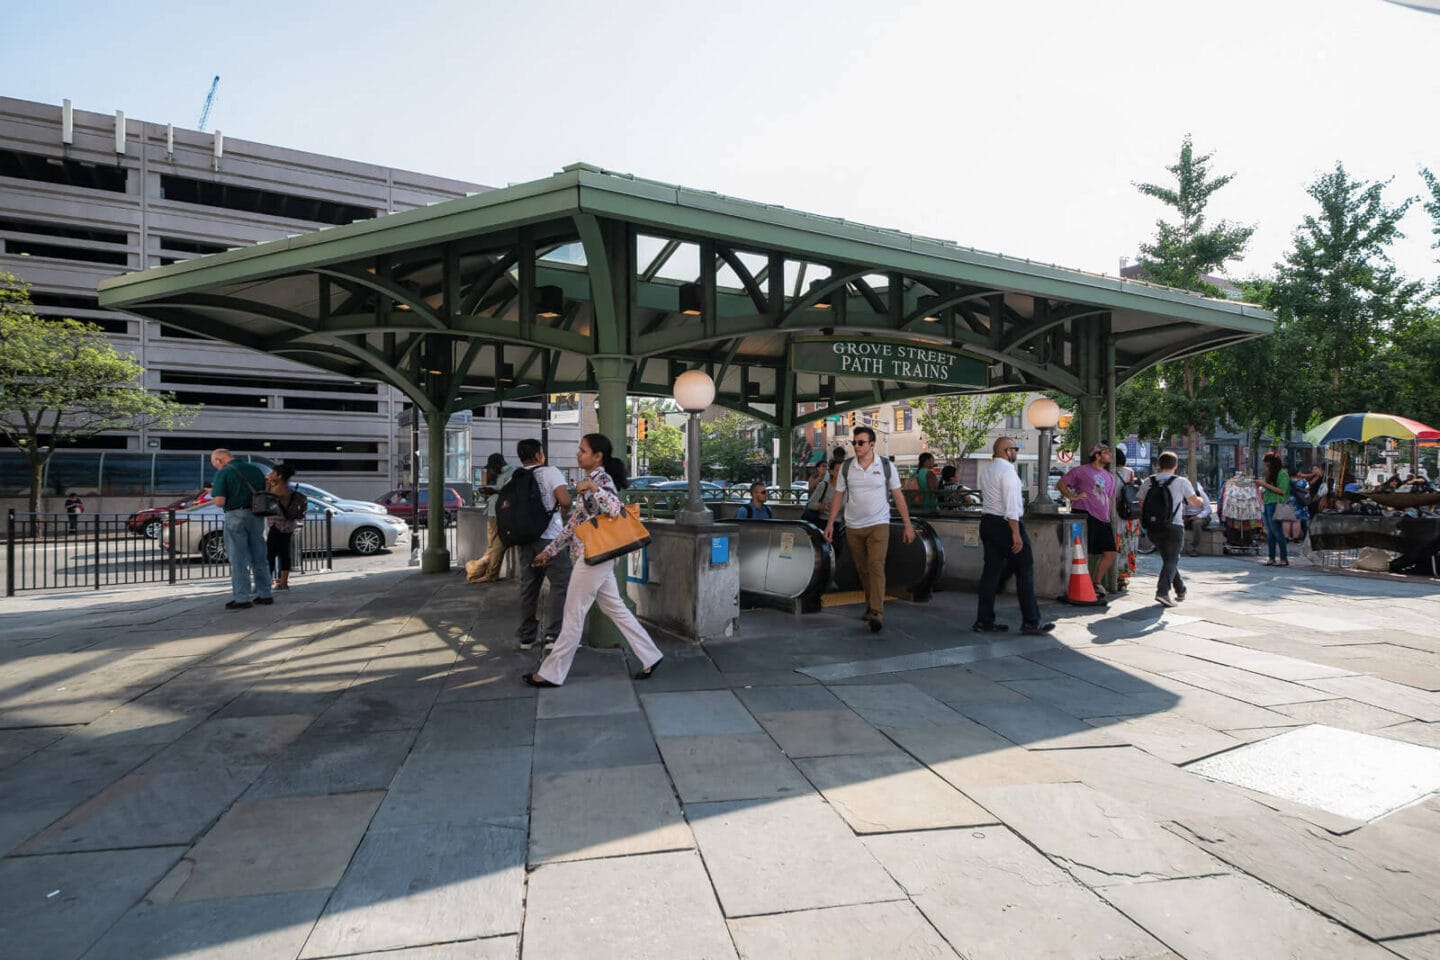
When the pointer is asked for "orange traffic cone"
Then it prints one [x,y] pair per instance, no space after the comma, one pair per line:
[1081,591]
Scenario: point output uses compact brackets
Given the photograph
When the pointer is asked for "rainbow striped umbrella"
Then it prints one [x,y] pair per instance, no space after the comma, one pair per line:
[1369,426]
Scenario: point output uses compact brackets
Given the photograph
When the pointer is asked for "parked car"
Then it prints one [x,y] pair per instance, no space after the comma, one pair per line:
[197,531]
[150,521]
[708,490]
[400,503]
[646,482]
[330,500]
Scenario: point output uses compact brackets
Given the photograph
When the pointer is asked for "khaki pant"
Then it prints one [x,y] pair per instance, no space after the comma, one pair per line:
[868,548]
[494,557]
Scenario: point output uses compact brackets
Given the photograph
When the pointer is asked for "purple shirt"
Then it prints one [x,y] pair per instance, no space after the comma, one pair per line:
[1097,486]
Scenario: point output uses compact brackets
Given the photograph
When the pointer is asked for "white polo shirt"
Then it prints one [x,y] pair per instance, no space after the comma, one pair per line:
[867,501]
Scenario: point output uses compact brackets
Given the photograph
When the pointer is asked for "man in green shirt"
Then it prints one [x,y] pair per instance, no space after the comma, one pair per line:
[244,533]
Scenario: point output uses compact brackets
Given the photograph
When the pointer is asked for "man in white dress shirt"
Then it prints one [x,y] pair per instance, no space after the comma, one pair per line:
[1007,547]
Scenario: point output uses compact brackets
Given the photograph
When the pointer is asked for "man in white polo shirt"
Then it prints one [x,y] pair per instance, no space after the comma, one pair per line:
[1006,545]
[864,486]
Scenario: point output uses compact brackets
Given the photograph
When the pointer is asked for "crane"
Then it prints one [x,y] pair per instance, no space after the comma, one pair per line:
[209,102]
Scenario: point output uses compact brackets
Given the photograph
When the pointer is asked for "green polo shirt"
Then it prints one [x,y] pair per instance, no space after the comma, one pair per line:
[228,484]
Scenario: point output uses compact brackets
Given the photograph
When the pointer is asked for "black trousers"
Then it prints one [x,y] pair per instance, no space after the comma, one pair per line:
[1000,562]
[1168,540]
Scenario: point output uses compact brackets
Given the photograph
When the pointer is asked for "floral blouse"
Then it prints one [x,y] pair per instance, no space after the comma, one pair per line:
[604,499]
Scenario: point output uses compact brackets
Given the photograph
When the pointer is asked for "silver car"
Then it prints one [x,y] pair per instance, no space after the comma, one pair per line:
[330,500]
[198,531]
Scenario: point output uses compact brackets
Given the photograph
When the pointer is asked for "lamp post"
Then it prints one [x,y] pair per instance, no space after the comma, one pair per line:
[694,391]
[1043,413]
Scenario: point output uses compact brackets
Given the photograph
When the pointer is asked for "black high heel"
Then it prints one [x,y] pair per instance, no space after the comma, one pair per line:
[647,672]
[533,681]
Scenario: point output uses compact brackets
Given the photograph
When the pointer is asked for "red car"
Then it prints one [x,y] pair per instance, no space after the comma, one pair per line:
[150,521]
[400,503]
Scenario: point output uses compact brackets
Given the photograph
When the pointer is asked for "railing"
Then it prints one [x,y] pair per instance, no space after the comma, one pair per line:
[46,551]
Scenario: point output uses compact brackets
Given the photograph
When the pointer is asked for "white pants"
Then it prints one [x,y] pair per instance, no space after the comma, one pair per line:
[588,585]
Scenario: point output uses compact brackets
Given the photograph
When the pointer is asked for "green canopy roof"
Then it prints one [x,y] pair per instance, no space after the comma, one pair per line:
[547,286]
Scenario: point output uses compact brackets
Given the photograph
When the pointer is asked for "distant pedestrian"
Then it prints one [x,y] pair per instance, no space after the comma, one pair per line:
[1196,517]
[555,499]
[244,533]
[74,506]
[822,491]
[1091,486]
[1005,542]
[598,493]
[280,530]
[1168,533]
[865,487]
[497,474]
[756,508]
[1274,489]
[927,482]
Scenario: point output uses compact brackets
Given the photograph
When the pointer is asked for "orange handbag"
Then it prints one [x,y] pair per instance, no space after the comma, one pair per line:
[606,537]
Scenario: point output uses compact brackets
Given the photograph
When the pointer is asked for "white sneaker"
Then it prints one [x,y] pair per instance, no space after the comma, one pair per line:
[548,645]
[1100,591]
[1164,601]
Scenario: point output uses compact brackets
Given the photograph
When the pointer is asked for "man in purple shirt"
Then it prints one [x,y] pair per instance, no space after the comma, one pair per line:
[1091,488]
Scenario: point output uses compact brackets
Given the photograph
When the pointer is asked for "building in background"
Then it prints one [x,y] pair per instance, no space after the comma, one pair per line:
[85,196]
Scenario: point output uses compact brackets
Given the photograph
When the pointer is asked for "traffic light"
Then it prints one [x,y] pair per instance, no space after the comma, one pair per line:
[851,419]
[640,429]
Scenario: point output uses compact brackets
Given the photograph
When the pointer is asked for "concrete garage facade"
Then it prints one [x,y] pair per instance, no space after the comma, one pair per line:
[85,196]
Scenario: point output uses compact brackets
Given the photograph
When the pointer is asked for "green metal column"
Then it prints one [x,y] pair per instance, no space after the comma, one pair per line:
[785,411]
[612,377]
[436,558]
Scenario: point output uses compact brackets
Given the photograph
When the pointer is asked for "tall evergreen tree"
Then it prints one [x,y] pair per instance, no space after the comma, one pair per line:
[1339,298]
[1184,397]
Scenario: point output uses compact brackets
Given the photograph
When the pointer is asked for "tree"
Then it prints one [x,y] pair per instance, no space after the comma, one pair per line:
[663,449]
[953,426]
[1184,397]
[1339,298]
[61,382]
[730,450]
[1184,254]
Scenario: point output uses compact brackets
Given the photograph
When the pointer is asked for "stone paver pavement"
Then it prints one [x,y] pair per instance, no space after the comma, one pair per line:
[358,772]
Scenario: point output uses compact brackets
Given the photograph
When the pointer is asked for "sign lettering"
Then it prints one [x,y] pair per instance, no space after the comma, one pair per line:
[889,360]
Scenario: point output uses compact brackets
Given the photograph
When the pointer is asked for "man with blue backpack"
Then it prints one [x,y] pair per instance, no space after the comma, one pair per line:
[1163,496]
[528,515]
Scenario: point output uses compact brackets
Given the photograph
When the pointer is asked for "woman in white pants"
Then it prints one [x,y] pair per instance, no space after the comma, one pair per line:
[598,494]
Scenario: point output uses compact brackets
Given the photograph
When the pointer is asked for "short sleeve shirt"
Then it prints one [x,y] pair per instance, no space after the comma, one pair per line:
[1270,496]
[1098,486]
[1180,489]
[548,478]
[228,484]
[867,502]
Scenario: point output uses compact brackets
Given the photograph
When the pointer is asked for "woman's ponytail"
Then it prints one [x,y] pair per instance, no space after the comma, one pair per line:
[616,468]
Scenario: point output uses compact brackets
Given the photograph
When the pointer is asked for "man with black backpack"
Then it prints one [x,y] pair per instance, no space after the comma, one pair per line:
[528,515]
[1163,496]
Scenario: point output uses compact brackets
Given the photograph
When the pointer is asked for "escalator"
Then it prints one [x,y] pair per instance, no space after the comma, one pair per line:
[787,565]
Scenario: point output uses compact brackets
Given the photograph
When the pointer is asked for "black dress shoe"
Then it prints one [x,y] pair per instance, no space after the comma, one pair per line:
[875,624]
[1037,629]
[979,627]
[263,601]
[648,672]
[533,681]
[233,605]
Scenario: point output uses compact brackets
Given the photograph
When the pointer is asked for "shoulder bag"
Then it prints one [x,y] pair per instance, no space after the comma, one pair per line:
[606,537]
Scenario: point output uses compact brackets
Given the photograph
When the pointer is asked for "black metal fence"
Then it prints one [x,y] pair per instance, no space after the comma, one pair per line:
[48,551]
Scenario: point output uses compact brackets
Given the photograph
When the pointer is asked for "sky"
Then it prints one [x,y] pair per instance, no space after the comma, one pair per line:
[1018,127]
